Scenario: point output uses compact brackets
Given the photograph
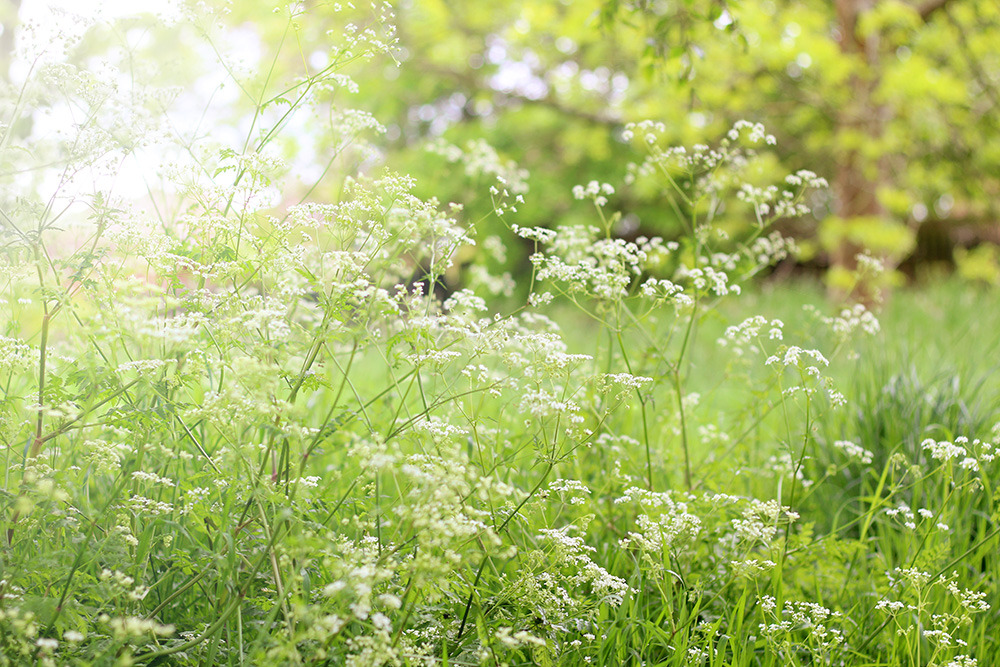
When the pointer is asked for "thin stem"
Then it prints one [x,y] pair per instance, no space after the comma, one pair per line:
[482,564]
[642,408]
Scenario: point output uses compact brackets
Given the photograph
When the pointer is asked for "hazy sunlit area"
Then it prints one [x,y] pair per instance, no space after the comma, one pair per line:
[590,332]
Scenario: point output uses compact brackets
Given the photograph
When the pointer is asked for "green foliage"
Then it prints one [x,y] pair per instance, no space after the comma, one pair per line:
[980,264]
[246,424]
[551,84]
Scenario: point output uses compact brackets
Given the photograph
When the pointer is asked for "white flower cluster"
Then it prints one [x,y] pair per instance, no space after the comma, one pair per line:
[541,355]
[794,356]
[625,383]
[962,661]
[144,505]
[944,450]
[177,329]
[806,178]
[574,489]
[153,478]
[752,567]
[747,335]
[869,265]
[435,358]
[134,627]
[144,366]
[439,429]
[809,618]
[905,514]
[853,319]
[539,402]
[705,172]
[193,497]
[771,249]
[912,613]
[139,237]
[105,456]
[761,520]
[971,601]
[648,128]
[581,263]
[854,451]
[121,583]
[665,526]
[537,234]
[511,639]
[701,159]
[663,290]
[266,316]
[772,202]
[707,279]
[598,192]
[465,299]
[755,133]
[14,354]
[572,552]
[808,363]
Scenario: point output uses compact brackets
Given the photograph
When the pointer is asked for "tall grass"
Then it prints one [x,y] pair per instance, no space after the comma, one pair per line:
[251,432]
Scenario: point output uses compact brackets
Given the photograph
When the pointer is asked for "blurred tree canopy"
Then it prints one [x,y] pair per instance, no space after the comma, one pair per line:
[895,102]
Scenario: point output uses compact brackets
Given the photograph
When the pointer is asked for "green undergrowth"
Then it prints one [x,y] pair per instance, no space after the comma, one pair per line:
[251,433]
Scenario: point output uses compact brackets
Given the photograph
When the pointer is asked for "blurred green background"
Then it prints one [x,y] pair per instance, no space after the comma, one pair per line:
[895,102]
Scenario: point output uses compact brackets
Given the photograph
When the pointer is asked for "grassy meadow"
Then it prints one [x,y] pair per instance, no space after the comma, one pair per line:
[318,481]
[248,421]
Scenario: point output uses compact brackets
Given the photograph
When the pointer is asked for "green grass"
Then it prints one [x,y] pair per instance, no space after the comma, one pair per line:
[248,436]
[249,567]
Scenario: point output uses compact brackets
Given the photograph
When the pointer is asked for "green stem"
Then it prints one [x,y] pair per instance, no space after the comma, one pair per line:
[36,447]
[482,564]
[642,408]
[224,616]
